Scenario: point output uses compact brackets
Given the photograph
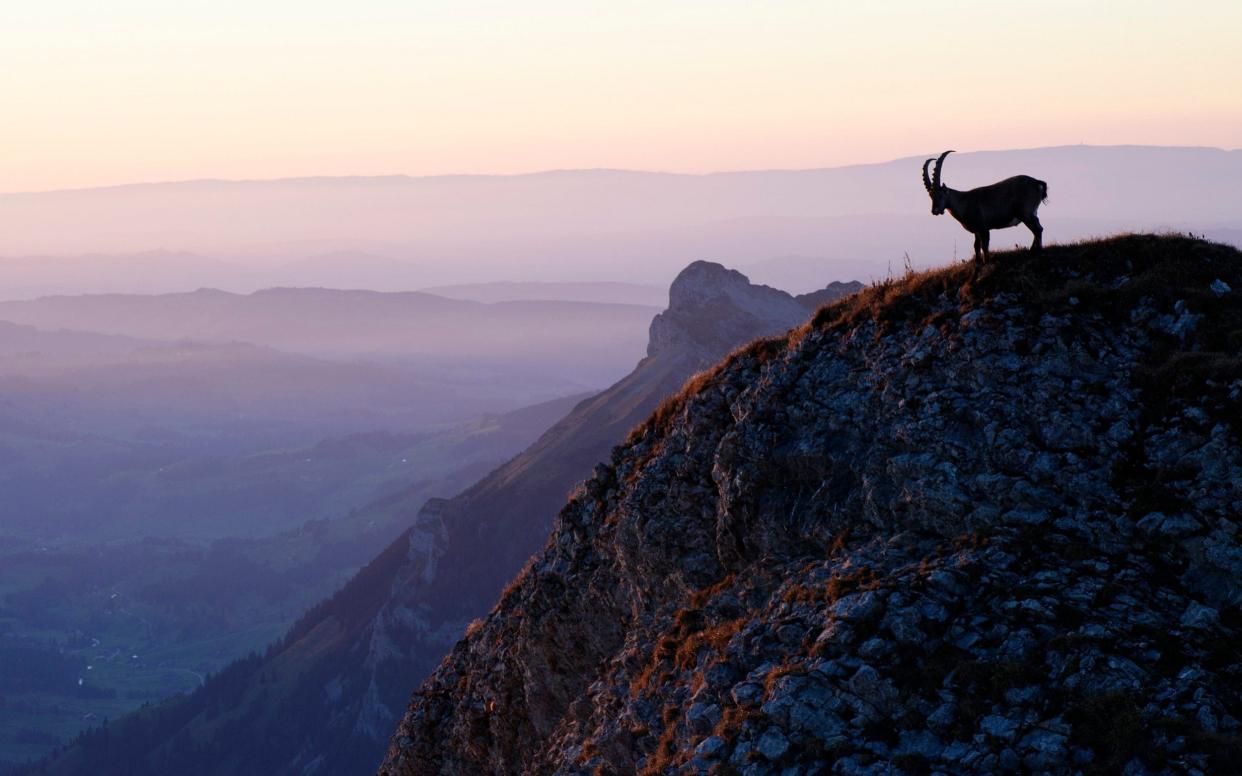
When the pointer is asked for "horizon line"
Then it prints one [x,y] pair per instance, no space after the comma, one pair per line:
[396,177]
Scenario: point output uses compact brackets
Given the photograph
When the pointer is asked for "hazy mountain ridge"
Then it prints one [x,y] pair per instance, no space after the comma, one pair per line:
[954,524]
[604,291]
[29,343]
[131,440]
[584,225]
[554,345]
[325,699]
[300,319]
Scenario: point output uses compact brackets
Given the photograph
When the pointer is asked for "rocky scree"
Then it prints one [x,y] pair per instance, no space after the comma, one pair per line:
[956,524]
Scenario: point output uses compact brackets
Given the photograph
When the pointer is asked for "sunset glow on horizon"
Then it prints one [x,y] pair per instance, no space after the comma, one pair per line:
[140,90]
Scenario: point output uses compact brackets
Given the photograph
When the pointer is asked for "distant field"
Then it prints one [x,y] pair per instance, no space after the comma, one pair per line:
[76,651]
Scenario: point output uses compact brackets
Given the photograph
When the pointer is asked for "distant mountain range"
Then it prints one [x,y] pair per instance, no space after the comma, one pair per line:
[130,415]
[580,344]
[608,292]
[185,439]
[325,698]
[401,233]
[30,344]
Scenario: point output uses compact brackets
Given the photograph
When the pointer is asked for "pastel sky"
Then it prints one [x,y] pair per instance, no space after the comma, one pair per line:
[98,93]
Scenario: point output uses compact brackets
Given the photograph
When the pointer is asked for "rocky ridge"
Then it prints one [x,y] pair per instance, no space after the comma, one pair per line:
[462,551]
[956,524]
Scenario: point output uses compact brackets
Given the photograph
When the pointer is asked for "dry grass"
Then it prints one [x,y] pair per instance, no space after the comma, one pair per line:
[701,597]
[732,720]
[780,672]
[665,755]
[518,579]
[679,650]
[714,639]
[840,584]
[1076,275]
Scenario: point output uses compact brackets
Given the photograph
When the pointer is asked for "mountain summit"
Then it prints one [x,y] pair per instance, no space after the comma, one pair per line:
[954,524]
[712,309]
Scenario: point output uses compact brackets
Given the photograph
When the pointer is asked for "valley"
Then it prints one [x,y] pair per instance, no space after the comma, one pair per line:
[98,628]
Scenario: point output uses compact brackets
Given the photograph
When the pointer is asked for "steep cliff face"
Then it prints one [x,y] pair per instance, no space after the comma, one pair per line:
[961,524]
[463,550]
[326,698]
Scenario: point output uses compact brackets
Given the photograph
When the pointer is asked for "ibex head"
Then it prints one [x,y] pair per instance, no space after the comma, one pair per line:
[934,187]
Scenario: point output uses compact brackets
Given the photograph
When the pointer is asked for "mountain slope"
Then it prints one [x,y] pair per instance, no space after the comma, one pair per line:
[955,524]
[326,698]
[711,310]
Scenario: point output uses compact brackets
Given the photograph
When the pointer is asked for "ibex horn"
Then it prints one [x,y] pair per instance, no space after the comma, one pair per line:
[939,164]
[927,184]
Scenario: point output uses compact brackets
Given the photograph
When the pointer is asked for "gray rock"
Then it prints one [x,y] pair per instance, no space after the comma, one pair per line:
[858,606]
[1024,696]
[703,716]
[773,744]
[710,747]
[876,692]
[903,623]
[1045,749]
[998,727]
[1207,719]
[747,694]
[874,649]
[919,742]
[1199,616]
[1157,524]
[790,634]
[940,720]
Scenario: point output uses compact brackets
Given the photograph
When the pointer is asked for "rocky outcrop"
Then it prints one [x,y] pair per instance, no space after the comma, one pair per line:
[487,532]
[956,524]
[712,309]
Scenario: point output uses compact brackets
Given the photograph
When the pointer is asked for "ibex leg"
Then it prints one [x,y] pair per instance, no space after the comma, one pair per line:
[978,248]
[985,237]
[1032,223]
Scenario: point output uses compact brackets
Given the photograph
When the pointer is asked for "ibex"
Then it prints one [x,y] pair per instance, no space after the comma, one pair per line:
[999,206]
